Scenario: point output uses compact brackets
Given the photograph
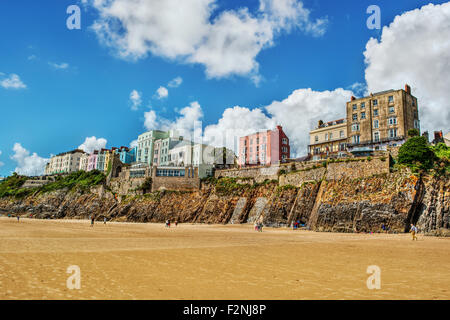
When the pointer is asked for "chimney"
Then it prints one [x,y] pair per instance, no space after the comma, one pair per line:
[353,98]
[407,88]
[320,123]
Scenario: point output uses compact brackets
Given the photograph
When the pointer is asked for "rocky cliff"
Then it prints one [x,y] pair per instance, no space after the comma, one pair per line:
[348,205]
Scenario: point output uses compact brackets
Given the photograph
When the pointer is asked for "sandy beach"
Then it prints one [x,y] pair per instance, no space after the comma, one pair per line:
[149,261]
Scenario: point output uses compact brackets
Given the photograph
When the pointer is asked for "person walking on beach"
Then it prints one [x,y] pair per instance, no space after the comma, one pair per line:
[176,223]
[18,218]
[413,232]
[104,220]
[92,221]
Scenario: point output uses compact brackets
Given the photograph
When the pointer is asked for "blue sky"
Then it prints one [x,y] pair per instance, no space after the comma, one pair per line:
[89,93]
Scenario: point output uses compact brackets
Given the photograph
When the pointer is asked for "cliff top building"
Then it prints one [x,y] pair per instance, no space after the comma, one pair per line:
[66,162]
[146,145]
[264,148]
[381,119]
[328,140]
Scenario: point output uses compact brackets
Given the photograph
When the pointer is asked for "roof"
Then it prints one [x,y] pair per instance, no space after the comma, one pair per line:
[332,123]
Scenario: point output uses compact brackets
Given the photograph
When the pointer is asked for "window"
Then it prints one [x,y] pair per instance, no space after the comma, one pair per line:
[355,117]
[331,135]
[355,139]
[284,141]
[341,134]
[264,139]
[257,140]
[375,102]
[375,112]
[417,124]
[376,136]
[355,107]
[355,127]
[251,141]
[391,99]
[363,105]
[363,115]
[376,124]
[326,136]
[316,139]
[392,133]
[391,109]
[392,120]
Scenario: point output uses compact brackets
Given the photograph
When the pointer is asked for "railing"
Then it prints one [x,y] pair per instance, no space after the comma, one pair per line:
[368,142]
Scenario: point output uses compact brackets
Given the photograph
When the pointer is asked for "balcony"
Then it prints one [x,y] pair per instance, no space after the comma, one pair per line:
[369,142]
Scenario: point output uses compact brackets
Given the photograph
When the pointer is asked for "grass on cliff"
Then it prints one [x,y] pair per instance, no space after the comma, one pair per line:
[81,180]
[227,185]
[12,186]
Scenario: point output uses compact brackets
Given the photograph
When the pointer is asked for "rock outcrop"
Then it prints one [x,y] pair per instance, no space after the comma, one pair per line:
[348,205]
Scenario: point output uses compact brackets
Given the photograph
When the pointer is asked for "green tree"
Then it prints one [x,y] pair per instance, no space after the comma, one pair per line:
[413,133]
[416,153]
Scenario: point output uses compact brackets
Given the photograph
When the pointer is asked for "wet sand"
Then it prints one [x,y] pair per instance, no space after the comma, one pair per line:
[149,261]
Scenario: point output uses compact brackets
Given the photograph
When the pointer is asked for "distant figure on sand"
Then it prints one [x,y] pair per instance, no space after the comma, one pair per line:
[92,221]
[167,223]
[18,218]
[104,220]
[413,232]
[256,226]
[176,223]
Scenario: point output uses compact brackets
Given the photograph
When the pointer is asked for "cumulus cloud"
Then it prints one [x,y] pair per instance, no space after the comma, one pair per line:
[92,143]
[59,66]
[298,114]
[135,99]
[12,82]
[133,144]
[186,31]
[415,49]
[162,93]
[28,164]
[186,124]
[175,83]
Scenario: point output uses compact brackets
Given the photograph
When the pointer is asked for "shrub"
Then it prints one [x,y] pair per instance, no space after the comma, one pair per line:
[416,152]
[413,133]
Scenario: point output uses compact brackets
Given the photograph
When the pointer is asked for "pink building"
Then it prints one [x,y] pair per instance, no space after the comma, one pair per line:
[92,161]
[264,148]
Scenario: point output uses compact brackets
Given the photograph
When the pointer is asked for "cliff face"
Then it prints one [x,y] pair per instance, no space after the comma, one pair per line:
[358,205]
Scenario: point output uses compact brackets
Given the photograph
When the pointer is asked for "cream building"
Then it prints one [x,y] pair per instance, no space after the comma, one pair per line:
[66,162]
[328,140]
[84,160]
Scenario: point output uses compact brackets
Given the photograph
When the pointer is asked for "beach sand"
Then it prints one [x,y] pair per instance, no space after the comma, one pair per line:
[149,261]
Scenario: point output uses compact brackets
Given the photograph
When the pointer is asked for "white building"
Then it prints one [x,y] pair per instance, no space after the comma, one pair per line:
[84,160]
[66,162]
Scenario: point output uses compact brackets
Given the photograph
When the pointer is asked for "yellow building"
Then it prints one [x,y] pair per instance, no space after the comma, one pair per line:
[328,140]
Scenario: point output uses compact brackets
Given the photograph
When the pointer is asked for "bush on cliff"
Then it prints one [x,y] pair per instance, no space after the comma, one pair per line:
[80,180]
[416,154]
[12,186]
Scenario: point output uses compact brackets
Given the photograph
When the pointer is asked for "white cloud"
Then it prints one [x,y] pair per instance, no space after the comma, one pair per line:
[29,165]
[185,31]
[175,83]
[32,57]
[136,100]
[59,66]
[415,49]
[92,143]
[185,124]
[150,122]
[133,144]
[12,82]
[1,163]
[298,114]
[162,93]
